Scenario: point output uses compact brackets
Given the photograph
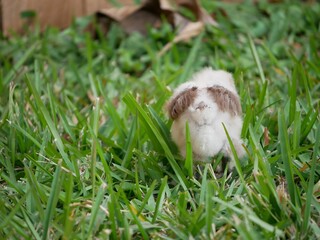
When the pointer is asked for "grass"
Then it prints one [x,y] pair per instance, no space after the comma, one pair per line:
[85,147]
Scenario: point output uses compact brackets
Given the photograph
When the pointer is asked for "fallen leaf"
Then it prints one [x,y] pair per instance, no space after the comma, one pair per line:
[187,29]
[118,14]
[150,14]
[135,18]
[192,29]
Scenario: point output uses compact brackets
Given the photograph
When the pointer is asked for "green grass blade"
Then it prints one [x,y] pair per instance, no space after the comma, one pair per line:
[309,195]
[95,209]
[154,134]
[9,76]
[116,118]
[34,232]
[308,123]
[209,207]
[256,59]
[137,220]
[190,62]
[160,198]
[52,201]
[165,132]
[95,128]
[296,130]
[286,155]
[50,124]
[131,143]
[34,201]
[293,95]
[204,183]
[252,217]
[188,164]
[68,185]
[8,219]
[147,196]
[260,70]
[235,156]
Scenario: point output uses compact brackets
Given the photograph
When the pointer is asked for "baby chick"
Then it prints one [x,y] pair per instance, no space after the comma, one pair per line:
[206,102]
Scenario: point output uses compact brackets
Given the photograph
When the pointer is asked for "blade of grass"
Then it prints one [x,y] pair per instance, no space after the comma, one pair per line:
[14,69]
[292,86]
[306,83]
[256,58]
[8,219]
[285,154]
[160,198]
[130,144]
[50,124]
[137,180]
[66,125]
[52,104]
[136,219]
[147,196]
[27,135]
[204,184]
[52,201]
[251,216]
[153,133]
[34,232]
[209,207]
[308,123]
[68,223]
[95,127]
[12,136]
[191,60]
[309,195]
[296,131]
[182,204]
[89,49]
[260,70]
[248,118]
[34,202]
[13,184]
[235,156]
[95,209]
[188,164]
[162,127]
[116,118]
[263,165]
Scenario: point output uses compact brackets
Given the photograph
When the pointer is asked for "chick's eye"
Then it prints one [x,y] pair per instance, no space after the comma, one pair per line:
[194,88]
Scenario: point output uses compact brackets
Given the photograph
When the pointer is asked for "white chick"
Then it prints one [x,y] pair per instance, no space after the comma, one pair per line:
[206,102]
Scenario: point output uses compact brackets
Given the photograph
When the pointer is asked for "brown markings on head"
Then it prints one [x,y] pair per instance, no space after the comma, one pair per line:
[226,100]
[181,102]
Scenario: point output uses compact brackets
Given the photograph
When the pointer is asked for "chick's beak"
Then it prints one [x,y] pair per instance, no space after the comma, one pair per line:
[201,106]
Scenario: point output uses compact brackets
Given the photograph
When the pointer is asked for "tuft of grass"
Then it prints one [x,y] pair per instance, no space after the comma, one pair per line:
[85,146]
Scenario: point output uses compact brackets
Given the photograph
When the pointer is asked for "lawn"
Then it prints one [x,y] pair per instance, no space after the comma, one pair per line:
[85,147]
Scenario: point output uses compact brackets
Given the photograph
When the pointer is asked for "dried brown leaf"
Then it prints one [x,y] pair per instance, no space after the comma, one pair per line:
[118,14]
[139,21]
[149,14]
[192,29]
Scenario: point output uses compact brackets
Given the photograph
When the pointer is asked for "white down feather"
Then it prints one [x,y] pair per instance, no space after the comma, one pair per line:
[206,120]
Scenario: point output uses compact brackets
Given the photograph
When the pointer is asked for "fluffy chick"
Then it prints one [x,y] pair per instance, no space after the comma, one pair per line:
[206,102]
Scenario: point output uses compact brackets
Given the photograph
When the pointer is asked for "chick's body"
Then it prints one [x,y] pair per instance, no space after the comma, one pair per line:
[214,101]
